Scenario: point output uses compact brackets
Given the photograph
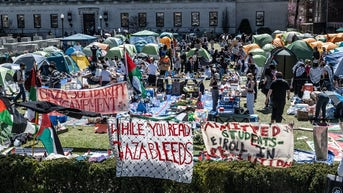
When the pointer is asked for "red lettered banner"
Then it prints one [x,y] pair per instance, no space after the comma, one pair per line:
[157,149]
[270,145]
[105,100]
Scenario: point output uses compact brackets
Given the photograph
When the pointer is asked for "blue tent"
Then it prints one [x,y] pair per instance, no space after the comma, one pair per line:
[64,63]
[335,59]
[79,37]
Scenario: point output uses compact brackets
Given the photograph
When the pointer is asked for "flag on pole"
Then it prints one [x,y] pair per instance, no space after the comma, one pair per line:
[48,136]
[31,85]
[135,76]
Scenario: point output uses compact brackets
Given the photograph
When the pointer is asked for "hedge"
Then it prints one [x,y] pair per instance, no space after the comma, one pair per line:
[24,174]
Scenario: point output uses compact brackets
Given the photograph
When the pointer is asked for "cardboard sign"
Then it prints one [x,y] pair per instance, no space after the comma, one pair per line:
[157,149]
[270,145]
[105,100]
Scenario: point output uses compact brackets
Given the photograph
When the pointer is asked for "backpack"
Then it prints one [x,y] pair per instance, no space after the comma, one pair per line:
[15,76]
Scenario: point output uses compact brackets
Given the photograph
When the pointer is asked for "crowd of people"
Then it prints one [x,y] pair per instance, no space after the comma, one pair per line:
[227,63]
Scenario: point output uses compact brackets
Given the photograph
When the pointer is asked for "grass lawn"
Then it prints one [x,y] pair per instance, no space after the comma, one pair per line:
[83,138]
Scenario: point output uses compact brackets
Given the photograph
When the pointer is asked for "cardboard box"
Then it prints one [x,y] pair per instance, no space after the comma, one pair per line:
[302,115]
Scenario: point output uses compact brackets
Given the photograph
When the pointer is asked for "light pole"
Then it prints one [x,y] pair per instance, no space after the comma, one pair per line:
[100,18]
[62,23]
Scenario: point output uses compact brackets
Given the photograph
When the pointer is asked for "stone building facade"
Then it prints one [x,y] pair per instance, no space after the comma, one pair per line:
[107,16]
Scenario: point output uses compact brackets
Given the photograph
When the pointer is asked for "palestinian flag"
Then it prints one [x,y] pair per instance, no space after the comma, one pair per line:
[31,85]
[135,76]
[48,136]
[12,122]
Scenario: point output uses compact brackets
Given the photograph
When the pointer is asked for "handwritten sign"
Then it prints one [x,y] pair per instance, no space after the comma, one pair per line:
[259,143]
[105,100]
[153,149]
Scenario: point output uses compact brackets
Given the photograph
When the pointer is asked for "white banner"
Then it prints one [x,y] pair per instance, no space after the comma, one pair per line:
[270,145]
[153,149]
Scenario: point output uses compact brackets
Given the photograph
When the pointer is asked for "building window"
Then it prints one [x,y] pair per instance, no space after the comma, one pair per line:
[54,20]
[4,21]
[159,19]
[20,21]
[37,21]
[142,19]
[213,18]
[259,18]
[195,20]
[177,19]
[124,18]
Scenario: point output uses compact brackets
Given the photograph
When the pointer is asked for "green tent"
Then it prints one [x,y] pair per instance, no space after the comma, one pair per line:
[64,63]
[258,51]
[115,52]
[260,60]
[145,33]
[131,49]
[262,39]
[301,49]
[202,53]
[113,42]
[268,47]
[151,49]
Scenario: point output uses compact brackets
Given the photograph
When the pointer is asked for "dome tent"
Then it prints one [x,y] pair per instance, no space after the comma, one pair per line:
[285,60]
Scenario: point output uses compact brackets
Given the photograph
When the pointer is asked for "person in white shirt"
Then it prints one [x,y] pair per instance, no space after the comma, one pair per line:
[105,76]
[152,70]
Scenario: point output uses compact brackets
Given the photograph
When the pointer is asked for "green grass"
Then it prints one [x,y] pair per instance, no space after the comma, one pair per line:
[83,138]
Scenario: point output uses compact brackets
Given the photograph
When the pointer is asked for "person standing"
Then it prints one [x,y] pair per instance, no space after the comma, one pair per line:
[21,81]
[321,99]
[277,93]
[299,78]
[250,93]
[152,71]
[214,84]
[55,76]
[105,76]
[315,74]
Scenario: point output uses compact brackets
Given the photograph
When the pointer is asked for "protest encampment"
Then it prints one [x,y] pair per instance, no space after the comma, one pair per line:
[162,107]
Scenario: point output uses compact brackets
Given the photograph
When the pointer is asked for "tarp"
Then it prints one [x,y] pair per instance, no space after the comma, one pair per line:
[262,39]
[47,107]
[249,47]
[79,37]
[285,59]
[277,42]
[64,63]
[301,49]
[6,78]
[337,60]
[334,37]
